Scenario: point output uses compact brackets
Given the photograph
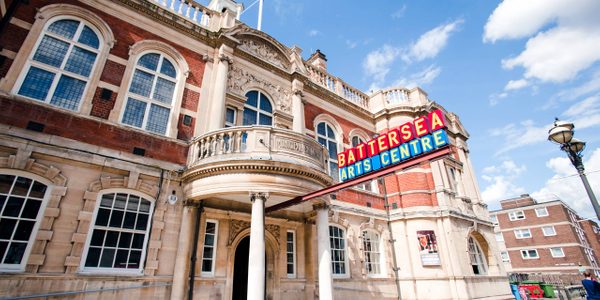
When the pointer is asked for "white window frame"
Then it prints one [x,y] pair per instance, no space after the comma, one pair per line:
[522,233]
[494,219]
[541,209]
[480,259]
[329,139]
[227,124]
[499,237]
[214,247]
[504,256]
[112,271]
[346,273]
[293,253]
[525,254]
[59,71]
[378,251]
[516,215]
[149,100]
[32,238]
[562,252]
[258,110]
[549,227]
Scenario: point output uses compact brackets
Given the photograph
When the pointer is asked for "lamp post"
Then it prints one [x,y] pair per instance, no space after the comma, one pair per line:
[562,134]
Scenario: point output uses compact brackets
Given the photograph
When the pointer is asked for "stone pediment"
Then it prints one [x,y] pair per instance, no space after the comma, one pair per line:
[261,46]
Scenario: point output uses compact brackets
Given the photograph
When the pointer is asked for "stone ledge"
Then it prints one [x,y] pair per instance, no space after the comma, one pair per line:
[79,238]
[44,235]
[72,261]
[36,259]
[52,212]
[85,216]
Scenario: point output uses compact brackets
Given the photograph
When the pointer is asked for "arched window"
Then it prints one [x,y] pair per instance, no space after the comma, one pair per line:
[21,205]
[337,242]
[151,92]
[258,109]
[118,236]
[477,258]
[58,71]
[367,186]
[326,136]
[371,252]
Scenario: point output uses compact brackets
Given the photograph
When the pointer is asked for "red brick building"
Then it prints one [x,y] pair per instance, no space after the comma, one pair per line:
[547,237]
[141,143]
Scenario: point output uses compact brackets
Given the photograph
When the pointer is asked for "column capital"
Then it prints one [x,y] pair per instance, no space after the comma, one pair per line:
[227,58]
[207,58]
[320,206]
[298,92]
[254,195]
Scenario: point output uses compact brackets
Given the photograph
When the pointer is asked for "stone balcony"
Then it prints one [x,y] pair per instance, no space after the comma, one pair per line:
[230,162]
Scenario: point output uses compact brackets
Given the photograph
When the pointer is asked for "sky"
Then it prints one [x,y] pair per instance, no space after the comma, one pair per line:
[506,68]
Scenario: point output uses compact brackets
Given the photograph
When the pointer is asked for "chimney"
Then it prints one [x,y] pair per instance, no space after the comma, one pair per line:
[318,60]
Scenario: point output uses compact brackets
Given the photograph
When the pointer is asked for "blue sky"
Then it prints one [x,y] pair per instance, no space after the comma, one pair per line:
[507,68]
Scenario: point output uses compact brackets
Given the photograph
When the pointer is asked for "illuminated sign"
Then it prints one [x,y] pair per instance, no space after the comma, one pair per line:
[422,135]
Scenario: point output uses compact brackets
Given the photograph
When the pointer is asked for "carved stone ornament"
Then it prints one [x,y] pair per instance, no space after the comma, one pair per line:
[238,226]
[262,51]
[241,81]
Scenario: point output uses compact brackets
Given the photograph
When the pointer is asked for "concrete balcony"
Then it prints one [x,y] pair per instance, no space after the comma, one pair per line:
[231,162]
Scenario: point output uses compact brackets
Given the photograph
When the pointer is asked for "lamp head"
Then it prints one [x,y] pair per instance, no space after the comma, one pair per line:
[561,133]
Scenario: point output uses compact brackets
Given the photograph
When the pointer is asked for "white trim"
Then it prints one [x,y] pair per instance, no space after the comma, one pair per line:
[294,262]
[551,227]
[526,251]
[214,247]
[521,233]
[112,271]
[34,231]
[561,251]
[258,109]
[513,215]
[502,257]
[346,273]
[543,214]
[378,240]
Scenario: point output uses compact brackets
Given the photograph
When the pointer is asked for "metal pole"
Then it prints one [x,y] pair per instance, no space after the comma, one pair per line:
[260,8]
[578,163]
[392,240]
[199,210]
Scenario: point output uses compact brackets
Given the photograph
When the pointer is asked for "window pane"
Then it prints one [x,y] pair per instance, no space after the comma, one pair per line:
[6,182]
[89,37]
[80,61]
[249,117]
[108,256]
[107,200]
[133,203]
[265,120]
[252,98]
[145,206]
[36,84]
[120,201]
[138,241]
[134,259]
[168,69]
[129,222]
[149,61]
[98,237]
[38,190]
[332,147]
[163,91]
[141,83]
[265,104]
[210,228]
[15,253]
[21,186]
[102,218]
[121,259]
[134,112]
[321,128]
[64,28]
[330,132]
[116,218]
[142,222]
[51,51]
[13,207]
[3,247]
[93,257]
[7,226]
[125,240]
[111,238]
[230,116]
[68,93]
[206,265]
[24,230]
[158,119]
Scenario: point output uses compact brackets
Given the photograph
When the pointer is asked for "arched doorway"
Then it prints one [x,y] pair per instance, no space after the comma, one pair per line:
[240,270]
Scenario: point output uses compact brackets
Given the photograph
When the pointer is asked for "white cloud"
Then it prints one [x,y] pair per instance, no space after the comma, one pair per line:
[516,84]
[314,32]
[351,44]
[496,98]
[432,42]
[378,62]
[426,76]
[569,45]
[399,13]
[500,180]
[286,9]
[567,186]
[520,135]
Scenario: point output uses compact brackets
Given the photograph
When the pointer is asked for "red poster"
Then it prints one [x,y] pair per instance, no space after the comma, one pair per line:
[428,248]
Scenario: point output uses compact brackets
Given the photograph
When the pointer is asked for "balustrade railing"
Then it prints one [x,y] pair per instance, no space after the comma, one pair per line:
[257,142]
[338,86]
[188,9]
[395,96]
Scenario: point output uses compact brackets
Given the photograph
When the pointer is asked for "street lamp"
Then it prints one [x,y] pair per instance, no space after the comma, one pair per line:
[562,134]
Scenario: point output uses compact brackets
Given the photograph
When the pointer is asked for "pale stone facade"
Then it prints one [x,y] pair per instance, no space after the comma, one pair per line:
[419,233]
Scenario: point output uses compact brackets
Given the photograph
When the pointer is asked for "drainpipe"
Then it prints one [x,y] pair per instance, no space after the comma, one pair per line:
[392,240]
[194,250]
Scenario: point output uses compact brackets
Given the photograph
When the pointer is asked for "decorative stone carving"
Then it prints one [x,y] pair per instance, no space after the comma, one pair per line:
[262,51]
[240,81]
[235,228]
[274,230]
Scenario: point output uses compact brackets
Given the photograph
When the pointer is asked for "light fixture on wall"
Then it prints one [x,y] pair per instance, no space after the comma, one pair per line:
[172,199]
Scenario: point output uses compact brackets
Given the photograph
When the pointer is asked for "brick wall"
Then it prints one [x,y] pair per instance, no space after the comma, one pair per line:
[101,107]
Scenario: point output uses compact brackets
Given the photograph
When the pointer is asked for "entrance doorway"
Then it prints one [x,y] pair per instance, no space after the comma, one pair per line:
[240,270]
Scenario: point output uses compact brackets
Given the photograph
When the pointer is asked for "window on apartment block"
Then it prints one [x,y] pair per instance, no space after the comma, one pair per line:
[371,252]
[230,114]
[326,137]
[290,251]
[499,237]
[549,230]
[557,252]
[21,208]
[258,109]
[516,215]
[210,245]
[523,233]
[337,242]
[478,262]
[119,234]
[59,70]
[529,254]
[541,212]
[505,257]
[151,93]
[494,219]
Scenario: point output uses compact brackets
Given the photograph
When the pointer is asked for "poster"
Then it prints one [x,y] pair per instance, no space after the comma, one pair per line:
[428,248]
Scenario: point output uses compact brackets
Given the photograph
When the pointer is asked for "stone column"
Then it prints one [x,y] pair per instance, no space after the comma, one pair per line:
[324,253]
[181,271]
[256,257]
[217,106]
[297,106]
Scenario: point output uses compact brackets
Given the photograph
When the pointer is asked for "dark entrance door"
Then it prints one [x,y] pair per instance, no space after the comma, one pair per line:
[240,270]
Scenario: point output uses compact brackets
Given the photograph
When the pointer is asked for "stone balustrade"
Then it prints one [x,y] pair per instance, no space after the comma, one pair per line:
[257,143]
[396,95]
[338,86]
[188,9]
